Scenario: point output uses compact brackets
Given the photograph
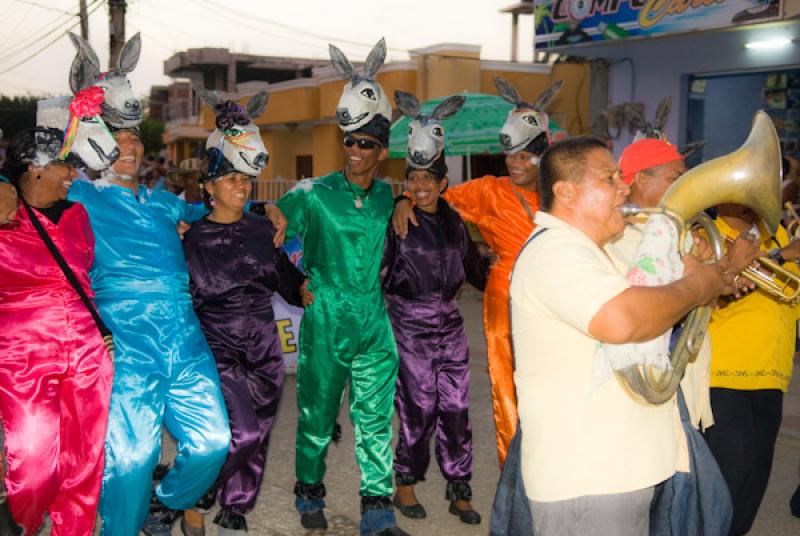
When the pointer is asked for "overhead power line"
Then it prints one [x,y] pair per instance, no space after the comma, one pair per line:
[95,7]
[60,24]
[219,8]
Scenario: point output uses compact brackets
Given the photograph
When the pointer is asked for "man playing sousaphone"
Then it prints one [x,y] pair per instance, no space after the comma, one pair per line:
[592,447]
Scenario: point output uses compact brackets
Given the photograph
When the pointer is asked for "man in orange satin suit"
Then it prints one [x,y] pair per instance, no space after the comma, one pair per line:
[502,208]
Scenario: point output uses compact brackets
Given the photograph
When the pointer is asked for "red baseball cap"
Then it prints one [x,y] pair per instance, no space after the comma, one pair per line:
[646,154]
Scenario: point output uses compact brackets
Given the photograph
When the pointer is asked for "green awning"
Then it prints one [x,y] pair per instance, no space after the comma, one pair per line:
[475,129]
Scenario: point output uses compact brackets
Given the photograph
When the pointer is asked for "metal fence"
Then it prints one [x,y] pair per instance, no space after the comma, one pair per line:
[273,189]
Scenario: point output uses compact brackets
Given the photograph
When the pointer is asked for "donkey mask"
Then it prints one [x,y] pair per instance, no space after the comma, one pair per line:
[641,127]
[237,138]
[426,132]
[86,135]
[121,108]
[525,122]
[362,98]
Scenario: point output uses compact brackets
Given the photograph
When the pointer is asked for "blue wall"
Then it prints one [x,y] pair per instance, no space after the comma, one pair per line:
[730,102]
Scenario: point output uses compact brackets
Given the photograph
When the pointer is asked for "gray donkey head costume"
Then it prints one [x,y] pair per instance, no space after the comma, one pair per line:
[426,132]
[364,106]
[526,127]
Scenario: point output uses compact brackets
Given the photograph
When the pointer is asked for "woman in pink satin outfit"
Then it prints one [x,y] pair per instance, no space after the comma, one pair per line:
[55,371]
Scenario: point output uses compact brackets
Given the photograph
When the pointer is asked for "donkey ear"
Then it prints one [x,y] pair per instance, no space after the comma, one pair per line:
[209,97]
[449,107]
[547,97]
[256,104]
[507,91]
[85,68]
[375,59]
[634,114]
[407,103]
[662,113]
[340,63]
[129,55]
[690,148]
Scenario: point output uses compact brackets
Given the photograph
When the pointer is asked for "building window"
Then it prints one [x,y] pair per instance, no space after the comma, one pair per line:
[304,166]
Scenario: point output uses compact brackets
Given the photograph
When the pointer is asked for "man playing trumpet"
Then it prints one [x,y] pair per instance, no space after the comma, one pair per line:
[752,347]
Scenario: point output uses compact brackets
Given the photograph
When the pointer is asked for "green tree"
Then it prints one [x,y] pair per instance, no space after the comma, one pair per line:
[152,131]
[17,113]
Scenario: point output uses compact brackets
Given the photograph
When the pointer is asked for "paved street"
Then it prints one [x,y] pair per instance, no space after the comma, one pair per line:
[275,514]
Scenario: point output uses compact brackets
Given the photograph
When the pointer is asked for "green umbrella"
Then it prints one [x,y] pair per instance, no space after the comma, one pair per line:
[475,129]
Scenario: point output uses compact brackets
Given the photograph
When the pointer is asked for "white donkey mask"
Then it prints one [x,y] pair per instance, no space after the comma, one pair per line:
[121,108]
[237,137]
[525,122]
[426,132]
[86,137]
[640,127]
[362,98]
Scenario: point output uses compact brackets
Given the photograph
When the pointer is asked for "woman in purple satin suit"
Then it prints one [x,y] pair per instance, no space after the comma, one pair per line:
[235,270]
[421,276]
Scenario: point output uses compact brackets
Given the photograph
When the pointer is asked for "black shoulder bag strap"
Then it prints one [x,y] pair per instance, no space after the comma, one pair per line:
[68,273]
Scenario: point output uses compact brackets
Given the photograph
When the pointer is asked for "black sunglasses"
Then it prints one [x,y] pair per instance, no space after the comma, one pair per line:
[363,143]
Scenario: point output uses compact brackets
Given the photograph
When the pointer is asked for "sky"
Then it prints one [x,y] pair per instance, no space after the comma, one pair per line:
[35,52]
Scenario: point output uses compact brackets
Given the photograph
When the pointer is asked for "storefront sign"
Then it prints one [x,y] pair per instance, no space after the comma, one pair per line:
[569,22]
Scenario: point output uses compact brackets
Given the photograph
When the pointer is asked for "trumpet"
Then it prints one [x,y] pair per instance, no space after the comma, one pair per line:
[773,279]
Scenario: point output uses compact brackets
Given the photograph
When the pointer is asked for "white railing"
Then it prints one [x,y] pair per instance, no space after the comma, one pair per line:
[273,189]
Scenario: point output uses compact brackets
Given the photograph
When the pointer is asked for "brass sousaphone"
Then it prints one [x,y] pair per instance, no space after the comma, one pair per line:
[750,176]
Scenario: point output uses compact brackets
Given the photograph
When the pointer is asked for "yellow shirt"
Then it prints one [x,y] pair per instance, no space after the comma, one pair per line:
[577,441]
[753,339]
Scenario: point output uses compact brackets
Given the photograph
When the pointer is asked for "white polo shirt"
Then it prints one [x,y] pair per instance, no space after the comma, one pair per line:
[577,441]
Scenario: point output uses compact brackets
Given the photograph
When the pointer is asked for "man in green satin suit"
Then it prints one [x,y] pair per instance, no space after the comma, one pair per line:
[345,334]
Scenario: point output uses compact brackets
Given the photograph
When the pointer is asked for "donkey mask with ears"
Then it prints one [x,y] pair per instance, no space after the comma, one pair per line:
[362,98]
[641,127]
[425,132]
[237,138]
[525,122]
[86,136]
[121,108]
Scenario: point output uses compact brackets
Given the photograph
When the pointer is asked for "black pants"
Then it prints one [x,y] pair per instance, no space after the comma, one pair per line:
[743,439]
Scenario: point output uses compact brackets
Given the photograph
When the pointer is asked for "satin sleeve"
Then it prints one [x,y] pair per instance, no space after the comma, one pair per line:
[192,213]
[389,256]
[293,205]
[290,279]
[476,266]
[466,198]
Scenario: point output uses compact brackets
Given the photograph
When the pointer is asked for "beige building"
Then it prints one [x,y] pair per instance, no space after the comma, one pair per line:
[299,128]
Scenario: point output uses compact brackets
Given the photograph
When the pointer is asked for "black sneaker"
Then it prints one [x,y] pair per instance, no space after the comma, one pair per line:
[314,520]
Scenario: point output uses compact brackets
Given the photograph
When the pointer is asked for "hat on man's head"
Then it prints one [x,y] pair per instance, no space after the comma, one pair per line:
[645,154]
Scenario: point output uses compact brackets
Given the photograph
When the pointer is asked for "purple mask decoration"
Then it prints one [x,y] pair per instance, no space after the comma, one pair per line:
[230,113]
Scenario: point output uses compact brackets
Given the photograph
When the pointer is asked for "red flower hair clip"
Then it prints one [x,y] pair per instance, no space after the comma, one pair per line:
[87,102]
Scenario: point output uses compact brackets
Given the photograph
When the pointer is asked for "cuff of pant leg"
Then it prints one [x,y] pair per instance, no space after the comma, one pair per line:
[308,505]
[374,520]
[406,480]
[309,491]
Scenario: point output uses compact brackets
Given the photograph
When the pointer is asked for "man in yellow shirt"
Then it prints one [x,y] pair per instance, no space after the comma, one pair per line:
[752,347]
[590,458]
